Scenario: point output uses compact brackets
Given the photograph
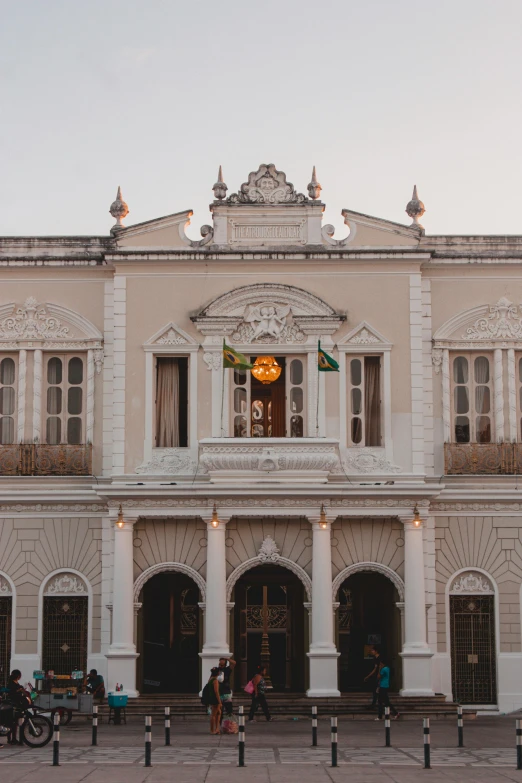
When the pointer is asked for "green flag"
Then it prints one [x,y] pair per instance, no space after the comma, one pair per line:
[234,359]
[325,363]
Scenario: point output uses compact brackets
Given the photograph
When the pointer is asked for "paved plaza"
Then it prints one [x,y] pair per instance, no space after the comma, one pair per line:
[274,752]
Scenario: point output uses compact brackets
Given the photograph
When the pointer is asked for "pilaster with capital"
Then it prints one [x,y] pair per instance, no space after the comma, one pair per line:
[216,611]
[122,655]
[416,653]
[323,653]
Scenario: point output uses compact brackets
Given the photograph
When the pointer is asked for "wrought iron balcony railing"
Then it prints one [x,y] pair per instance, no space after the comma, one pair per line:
[35,459]
[482,458]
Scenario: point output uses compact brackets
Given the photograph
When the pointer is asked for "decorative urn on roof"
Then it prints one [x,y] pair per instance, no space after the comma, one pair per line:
[415,209]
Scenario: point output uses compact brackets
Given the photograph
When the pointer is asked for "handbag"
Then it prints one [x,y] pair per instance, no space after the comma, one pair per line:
[249,687]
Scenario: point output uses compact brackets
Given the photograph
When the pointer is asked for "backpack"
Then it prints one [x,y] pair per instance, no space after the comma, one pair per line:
[205,695]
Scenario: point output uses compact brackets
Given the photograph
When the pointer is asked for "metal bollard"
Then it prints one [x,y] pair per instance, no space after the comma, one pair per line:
[334,741]
[387,726]
[56,740]
[148,741]
[314,727]
[426,725]
[94,740]
[241,737]
[460,726]
[519,744]
[167,725]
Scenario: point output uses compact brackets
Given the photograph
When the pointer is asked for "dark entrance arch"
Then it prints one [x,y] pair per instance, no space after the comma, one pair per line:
[367,615]
[279,593]
[168,635]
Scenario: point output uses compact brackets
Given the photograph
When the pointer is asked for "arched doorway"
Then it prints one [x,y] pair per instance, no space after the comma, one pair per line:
[269,627]
[169,635]
[367,616]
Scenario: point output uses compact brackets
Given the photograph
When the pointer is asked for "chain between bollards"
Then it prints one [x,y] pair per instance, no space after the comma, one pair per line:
[426,725]
[94,740]
[519,744]
[167,725]
[148,741]
[460,726]
[387,726]
[334,741]
[314,727]
[56,740]
[241,737]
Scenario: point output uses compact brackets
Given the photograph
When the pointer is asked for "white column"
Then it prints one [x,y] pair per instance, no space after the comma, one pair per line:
[89,416]
[37,394]
[22,373]
[446,404]
[323,653]
[512,395]
[416,654]
[216,614]
[121,657]
[498,395]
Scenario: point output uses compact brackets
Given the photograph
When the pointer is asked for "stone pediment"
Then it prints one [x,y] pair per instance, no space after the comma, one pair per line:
[268,313]
[170,335]
[37,324]
[364,336]
[164,233]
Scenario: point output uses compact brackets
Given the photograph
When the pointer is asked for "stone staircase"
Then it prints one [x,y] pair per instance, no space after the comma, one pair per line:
[296,705]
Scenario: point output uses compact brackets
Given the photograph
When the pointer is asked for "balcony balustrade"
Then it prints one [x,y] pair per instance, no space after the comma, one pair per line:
[35,459]
[464,459]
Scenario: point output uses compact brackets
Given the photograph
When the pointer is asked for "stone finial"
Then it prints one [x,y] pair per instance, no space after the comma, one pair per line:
[415,209]
[314,188]
[220,189]
[118,210]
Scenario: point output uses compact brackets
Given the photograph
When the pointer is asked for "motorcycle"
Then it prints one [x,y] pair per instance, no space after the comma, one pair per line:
[35,729]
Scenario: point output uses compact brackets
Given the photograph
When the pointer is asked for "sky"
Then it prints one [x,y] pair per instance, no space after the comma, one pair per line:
[154,95]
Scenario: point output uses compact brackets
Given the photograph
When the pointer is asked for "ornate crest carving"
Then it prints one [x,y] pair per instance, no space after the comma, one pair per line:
[436,358]
[502,323]
[365,460]
[31,322]
[213,360]
[364,338]
[269,552]
[170,462]
[471,583]
[267,185]
[66,583]
[5,587]
[172,337]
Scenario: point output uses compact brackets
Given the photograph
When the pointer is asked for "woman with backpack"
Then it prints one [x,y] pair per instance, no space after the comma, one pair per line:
[211,698]
[258,694]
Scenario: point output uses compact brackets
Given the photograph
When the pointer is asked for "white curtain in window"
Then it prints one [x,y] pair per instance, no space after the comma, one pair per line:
[372,401]
[167,403]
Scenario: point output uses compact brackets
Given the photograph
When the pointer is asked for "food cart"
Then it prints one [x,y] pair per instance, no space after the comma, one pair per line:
[61,693]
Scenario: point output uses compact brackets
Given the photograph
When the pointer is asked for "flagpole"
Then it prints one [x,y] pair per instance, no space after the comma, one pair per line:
[222,386]
[317,407]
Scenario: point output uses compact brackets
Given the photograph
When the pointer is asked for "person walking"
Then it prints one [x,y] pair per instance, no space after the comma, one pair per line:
[258,696]
[383,691]
[226,667]
[374,677]
[213,700]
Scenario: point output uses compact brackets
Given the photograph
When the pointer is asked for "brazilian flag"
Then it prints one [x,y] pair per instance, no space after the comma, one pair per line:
[233,359]
[325,362]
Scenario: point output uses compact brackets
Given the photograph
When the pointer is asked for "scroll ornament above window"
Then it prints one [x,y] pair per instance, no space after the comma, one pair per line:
[471,582]
[485,327]
[65,584]
[45,325]
[5,587]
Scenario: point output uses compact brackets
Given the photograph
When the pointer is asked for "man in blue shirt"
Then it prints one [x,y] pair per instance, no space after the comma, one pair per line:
[383,690]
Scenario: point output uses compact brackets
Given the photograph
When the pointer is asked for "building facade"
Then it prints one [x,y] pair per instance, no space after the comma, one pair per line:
[298,521]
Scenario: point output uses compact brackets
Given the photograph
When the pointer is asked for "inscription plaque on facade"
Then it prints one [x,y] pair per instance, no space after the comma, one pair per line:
[249,233]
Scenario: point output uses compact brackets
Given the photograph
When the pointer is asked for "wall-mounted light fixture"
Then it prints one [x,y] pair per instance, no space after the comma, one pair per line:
[120,521]
[215,519]
[323,522]
[416,517]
